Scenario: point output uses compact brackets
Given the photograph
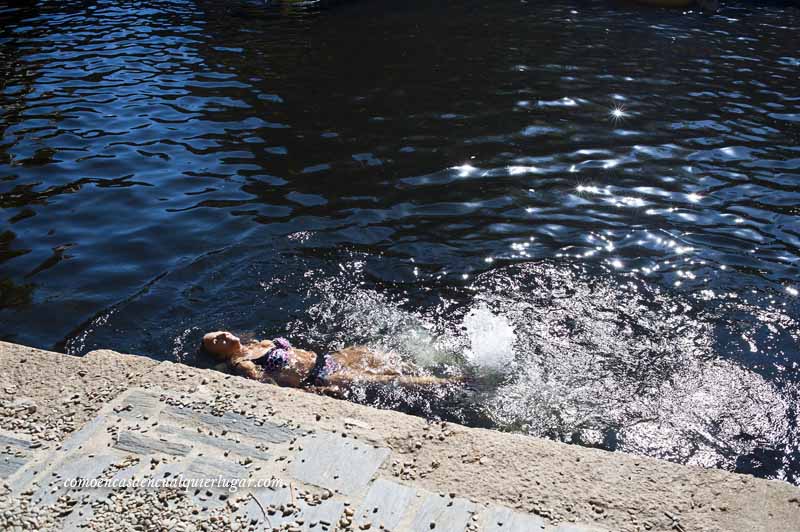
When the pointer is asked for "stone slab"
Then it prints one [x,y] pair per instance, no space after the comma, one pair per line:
[80,515]
[139,444]
[88,467]
[198,469]
[201,467]
[267,497]
[443,514]
[138,470]
[82,436]
[385,505]
[13,443]
[78,519]
[9,464]
[14,453]
[24,476]
[323,516]
[231,422]
[217,442]
[328,511]
[343,465]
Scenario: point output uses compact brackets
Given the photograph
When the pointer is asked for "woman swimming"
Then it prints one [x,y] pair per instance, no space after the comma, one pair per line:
[277,362]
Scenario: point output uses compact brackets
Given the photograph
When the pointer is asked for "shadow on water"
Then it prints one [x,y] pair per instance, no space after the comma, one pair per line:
[589,212]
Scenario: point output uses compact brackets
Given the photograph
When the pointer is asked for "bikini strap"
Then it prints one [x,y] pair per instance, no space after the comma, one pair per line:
[277,357]
[324,367]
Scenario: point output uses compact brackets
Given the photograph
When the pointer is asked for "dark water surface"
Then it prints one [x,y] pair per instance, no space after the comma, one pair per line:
[590,208]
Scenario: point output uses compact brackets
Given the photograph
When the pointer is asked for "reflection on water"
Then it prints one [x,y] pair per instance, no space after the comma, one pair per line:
[591,212]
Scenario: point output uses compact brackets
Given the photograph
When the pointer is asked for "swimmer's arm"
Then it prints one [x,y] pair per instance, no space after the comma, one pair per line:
[245,368]
[345,379]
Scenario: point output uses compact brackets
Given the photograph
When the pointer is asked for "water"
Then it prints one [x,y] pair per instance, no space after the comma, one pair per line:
[590,210]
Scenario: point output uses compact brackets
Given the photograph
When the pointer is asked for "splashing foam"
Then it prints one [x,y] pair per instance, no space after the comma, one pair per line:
[347,315]
[606,360]
[625,366]
[491,339]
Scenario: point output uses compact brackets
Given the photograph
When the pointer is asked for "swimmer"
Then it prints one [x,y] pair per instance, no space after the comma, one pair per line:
[277,362]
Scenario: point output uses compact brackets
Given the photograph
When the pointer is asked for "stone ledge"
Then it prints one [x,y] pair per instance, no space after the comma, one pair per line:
[552,483]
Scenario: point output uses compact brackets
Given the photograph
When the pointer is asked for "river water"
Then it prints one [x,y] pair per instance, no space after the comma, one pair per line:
[590,209]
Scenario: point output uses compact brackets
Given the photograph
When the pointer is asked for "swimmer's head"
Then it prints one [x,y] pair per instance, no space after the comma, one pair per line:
[222,344]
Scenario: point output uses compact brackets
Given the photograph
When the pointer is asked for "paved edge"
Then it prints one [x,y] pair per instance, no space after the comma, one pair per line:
[46,397]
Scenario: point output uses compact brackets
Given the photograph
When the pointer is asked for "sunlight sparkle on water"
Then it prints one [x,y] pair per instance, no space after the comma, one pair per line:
[617,113]
[520,170]
[465,170]
[590,189]
[631,202]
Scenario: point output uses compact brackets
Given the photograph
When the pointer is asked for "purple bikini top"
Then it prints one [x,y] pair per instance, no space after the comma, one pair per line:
[277,357]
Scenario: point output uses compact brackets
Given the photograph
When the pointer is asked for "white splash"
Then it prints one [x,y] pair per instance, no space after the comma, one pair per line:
[491,338]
